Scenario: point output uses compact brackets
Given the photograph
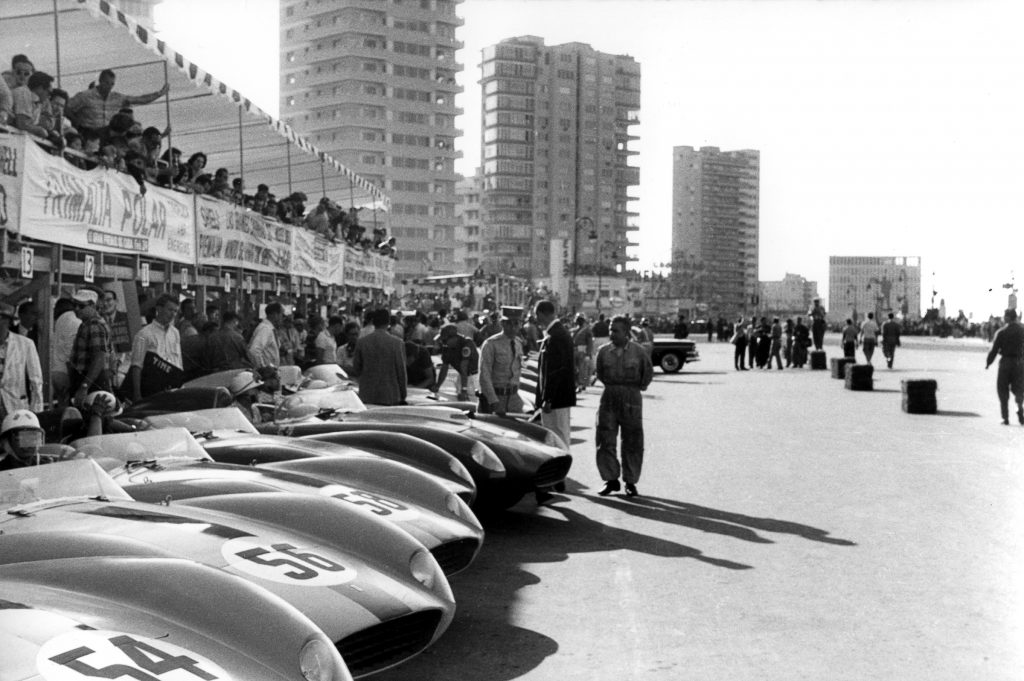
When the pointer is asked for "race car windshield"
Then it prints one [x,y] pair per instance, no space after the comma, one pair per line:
[34,484]
[160,447]
[303,403]
[331,374]
[205,421]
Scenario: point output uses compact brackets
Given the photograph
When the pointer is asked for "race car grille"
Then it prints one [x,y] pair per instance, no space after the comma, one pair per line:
[553,471]
[455,555]
[388,643]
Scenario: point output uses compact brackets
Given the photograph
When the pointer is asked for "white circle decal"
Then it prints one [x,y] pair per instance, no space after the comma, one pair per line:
[285,563]
[95,654]
[382,507]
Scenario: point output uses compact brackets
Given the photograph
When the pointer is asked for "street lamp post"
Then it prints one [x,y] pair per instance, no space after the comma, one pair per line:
[600,268]
[592,236]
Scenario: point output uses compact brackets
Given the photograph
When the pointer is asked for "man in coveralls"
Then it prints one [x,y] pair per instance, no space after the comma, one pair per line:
[1009,342]
[625,369]
[817,315]
[501,360]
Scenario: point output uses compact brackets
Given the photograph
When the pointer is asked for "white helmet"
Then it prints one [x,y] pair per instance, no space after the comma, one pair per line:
[19,419]
[113,407]
[244,381]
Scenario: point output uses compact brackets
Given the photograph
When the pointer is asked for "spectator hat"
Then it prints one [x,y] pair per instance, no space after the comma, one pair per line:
[84,295]
[298,196]
[6,311]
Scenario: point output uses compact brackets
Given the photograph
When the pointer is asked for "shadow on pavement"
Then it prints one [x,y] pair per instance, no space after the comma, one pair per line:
[482,644]
[716,521]
[944,412]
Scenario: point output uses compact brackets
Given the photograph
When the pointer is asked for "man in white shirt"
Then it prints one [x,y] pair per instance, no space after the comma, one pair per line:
[65,328]
[869,336]
[156,352]
[264,350]
[21,378]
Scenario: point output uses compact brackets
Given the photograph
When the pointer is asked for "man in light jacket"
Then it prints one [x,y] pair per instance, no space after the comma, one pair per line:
[21,381]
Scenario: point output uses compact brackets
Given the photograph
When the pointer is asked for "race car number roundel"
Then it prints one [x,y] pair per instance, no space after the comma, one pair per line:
[285,563]
[374,504]
[95,654]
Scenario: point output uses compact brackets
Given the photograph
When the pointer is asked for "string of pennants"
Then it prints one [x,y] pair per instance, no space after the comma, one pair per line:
[142,35]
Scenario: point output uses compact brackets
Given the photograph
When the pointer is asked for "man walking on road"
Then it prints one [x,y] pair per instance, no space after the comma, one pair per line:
[556,373]
[817,315]
[1009,342]
[869,336]
[625,370]
[890,339]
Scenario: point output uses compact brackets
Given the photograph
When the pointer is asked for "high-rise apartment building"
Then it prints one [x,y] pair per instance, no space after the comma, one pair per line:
[556,133]
[715,198]
[880,284]
[372,82]
[467,210]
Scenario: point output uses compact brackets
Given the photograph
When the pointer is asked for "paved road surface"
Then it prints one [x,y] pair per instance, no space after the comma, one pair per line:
[788,529]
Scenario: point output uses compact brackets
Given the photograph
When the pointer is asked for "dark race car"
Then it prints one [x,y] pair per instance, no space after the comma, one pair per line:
[370,587]
[133,612]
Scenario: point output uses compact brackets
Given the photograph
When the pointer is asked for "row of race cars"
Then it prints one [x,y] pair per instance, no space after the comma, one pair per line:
[315,545]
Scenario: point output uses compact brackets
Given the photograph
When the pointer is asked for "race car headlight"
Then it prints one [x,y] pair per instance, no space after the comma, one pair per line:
[458,469]
[553,440]
[423,568]
[315,661]
[483,456]
[458,508]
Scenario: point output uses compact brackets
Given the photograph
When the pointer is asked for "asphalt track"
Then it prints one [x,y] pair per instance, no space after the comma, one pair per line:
[788,529]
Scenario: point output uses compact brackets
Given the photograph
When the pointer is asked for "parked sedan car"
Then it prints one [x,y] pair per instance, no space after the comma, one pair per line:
[169,464]
[671,354]
[136,613]
[370,587]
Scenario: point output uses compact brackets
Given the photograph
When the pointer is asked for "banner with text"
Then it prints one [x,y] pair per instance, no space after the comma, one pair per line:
[103,210]
[367,269]
[12,169]
[316,257]
[231,236]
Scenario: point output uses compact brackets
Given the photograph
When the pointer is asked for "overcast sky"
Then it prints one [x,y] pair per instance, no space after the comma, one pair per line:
[885,128]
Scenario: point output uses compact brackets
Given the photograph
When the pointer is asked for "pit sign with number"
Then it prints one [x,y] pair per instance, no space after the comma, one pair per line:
[89,275]
[27,257]
[96,654]
[285,563]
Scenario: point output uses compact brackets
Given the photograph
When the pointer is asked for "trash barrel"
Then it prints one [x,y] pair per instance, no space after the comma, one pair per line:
[818,360]
[859,377]
[838,365]
[919,396]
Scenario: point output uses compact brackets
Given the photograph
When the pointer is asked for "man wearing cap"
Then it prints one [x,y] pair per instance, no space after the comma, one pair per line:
[556,372]
[460,353]
[89,366]
[21,378]
[501,360]
[156,362]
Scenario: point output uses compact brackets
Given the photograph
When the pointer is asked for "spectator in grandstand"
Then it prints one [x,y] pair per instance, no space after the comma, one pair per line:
[191,171]
[29,101]
[221,188]
[135,165]
[260,198]
[6,103]
[203,184]
[93,108]
[52,117]
[21,69]
[238,191]
[168,166]
[291,209]
[270,209]
[147,145]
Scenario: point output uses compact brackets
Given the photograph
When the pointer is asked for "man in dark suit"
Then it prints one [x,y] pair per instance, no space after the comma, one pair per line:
[556,382]
[379,362]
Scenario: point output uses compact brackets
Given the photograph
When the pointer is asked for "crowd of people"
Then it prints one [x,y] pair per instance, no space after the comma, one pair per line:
[97,127]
